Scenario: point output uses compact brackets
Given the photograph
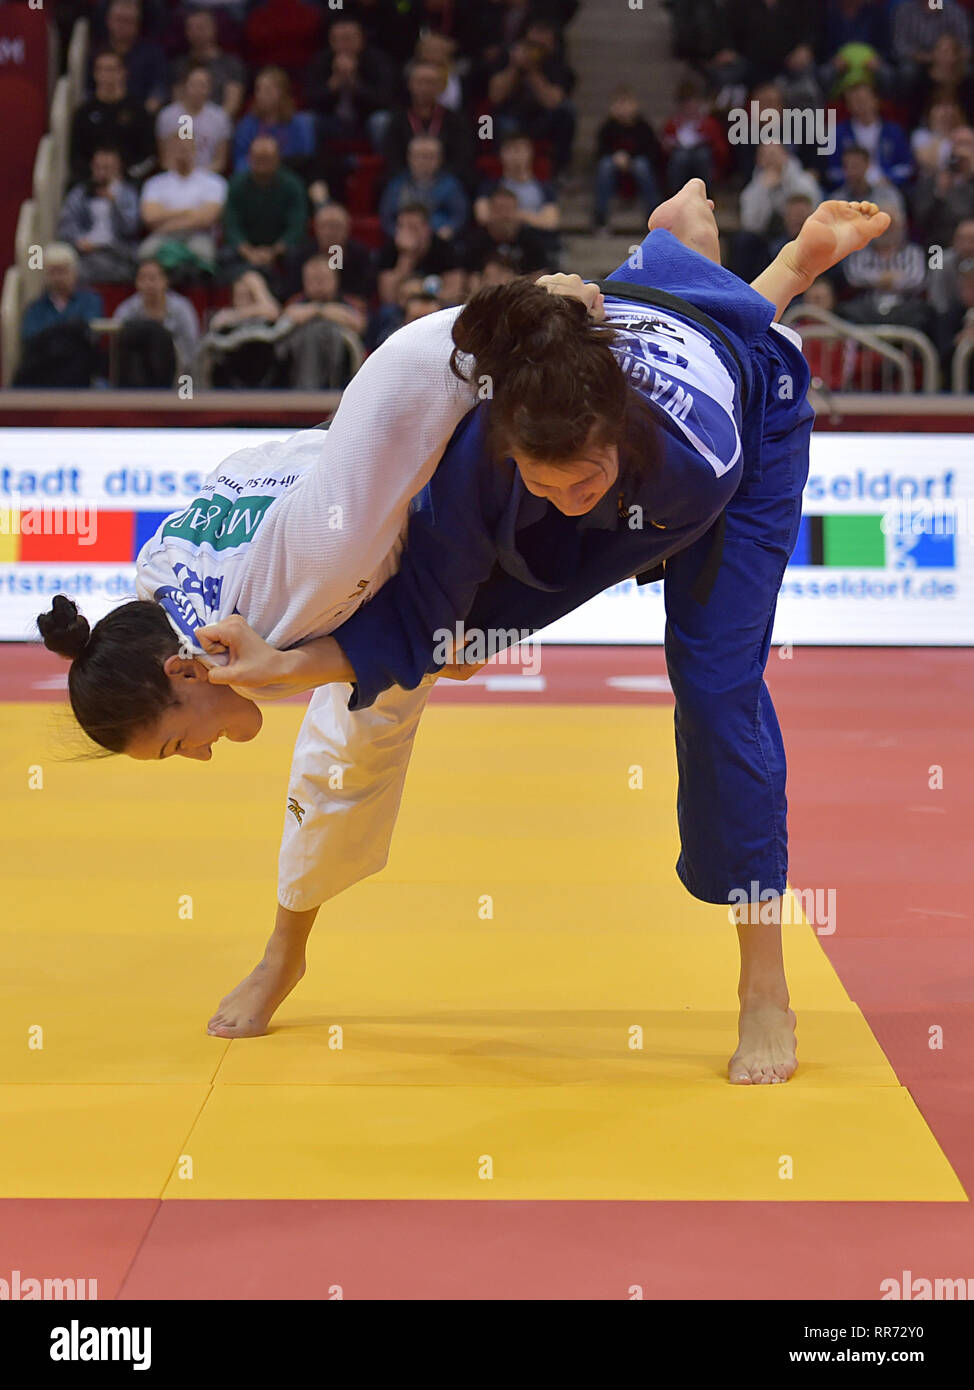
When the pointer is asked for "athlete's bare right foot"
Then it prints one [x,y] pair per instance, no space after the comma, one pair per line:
[833,231]
[689,215]
[766,1052]
[247,1010]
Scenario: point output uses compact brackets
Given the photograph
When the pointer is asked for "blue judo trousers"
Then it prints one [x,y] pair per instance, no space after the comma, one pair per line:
[469,554]
[731,802]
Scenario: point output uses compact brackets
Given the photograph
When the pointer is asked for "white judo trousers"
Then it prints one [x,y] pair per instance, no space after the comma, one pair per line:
[346,782]
[344,790]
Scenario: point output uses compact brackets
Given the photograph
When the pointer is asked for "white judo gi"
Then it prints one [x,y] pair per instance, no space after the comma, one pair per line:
[294,535]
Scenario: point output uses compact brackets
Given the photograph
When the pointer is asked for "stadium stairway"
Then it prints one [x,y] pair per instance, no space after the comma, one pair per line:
[609,43]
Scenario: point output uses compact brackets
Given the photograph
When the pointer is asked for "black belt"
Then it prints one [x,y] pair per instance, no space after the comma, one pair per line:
[704,582]
[659,299]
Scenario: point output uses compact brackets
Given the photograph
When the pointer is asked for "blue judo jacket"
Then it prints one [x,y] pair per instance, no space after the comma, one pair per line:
[477,533]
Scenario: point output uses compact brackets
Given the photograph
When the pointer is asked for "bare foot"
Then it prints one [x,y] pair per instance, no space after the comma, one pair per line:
[766,1052]
[689,215]
[834,230]
[247,1010]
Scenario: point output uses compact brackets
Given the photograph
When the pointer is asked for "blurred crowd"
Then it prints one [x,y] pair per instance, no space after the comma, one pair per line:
[898,76]
[262,192]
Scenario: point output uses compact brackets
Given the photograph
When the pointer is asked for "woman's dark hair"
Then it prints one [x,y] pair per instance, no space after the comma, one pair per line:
[555,382]
[116,683]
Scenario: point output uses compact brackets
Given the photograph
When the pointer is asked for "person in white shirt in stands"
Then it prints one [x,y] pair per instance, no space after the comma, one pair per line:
[196,115]
[183,204]
[778,176]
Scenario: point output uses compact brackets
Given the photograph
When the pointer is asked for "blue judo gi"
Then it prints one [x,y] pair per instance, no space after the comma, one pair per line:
[483,550]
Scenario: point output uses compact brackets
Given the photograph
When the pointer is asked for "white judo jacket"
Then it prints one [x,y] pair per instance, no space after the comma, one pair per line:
[294,534]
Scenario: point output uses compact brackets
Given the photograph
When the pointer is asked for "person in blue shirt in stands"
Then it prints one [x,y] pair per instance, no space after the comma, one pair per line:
[273,113]
[57,346]
[63,299]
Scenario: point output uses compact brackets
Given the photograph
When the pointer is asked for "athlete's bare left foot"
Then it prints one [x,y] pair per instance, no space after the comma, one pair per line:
[247,1010]
[833,231]
[689,215]
[766,1052]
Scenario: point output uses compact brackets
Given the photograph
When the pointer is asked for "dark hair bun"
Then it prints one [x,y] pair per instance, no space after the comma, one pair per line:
[64,630]
[516,325]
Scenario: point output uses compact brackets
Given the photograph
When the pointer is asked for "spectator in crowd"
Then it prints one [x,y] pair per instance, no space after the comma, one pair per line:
[112,117]
[943,199]
[196,114]
[889,276]
[943,275]
[154,18]
[931,141]
[885,141]
[347,82]
[251,302]
[693,141]
[235,10]
[768,97]
[57,344]
[505,234]
[426,115]
[181,209]
[537,202]
[273,114]
[530,92]
[797,210]
[778,177]
[440,50]
[858,187]
[160,330]
[414,252]
[317,349]
[956,326]
[699,34]
[353,262]
[626,144]
[411,290]
[425,181]
[227,73]
[497,270]
[392,28]
[237,352]
[266,214]
[861,22]
[763,40]
[145,63]
[417,306]
[947,77]
[917,25]
[853,65]
[100,219]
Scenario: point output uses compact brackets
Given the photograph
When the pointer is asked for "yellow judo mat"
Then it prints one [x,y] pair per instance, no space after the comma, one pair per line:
[525,1004]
